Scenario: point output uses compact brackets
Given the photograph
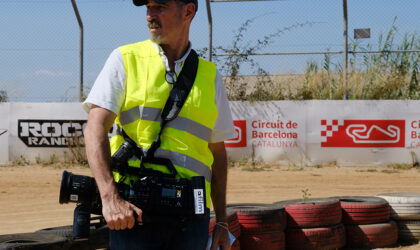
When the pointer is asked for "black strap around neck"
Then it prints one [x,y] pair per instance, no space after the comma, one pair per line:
[181,88]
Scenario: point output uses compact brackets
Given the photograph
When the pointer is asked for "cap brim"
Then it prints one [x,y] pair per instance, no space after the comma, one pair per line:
[144,2]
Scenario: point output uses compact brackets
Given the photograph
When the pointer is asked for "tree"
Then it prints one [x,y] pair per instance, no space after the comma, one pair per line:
[3,96]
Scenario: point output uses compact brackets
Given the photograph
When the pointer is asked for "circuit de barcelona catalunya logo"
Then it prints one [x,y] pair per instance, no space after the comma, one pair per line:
[240,135]
[363,133]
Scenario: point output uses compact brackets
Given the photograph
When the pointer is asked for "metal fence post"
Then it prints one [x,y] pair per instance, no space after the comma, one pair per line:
[210,52]
[79,20]
[346,50]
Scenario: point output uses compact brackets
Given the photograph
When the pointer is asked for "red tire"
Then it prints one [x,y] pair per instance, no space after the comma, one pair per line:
[273,240]
[373,235]
[260,218]
[312,212]
[364,209]
[332,237]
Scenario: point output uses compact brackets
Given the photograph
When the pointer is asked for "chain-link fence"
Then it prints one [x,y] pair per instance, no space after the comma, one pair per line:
[285,40]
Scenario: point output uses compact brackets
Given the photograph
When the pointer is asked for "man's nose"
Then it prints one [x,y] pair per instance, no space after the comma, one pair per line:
[151,14]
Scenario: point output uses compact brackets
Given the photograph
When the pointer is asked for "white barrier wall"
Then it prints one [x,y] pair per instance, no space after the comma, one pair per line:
[38,131]
[271,131]
[301,132]
[312,132]
[363,132]
[4,133]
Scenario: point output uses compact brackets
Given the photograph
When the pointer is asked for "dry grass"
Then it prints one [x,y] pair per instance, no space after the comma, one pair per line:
[372,76]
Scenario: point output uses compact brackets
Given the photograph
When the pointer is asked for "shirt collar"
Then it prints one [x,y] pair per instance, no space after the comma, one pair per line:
[178,63]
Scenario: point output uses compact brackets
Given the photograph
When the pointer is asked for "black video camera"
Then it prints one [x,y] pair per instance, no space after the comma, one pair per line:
[153,194]
[158,195]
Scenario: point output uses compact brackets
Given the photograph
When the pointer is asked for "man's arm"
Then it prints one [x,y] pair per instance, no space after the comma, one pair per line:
[117,212]
[218,195]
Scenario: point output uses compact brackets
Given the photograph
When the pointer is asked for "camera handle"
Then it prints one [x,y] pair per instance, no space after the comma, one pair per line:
[160,219]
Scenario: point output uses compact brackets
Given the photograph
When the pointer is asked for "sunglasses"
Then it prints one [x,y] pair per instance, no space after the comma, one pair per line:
[171,77]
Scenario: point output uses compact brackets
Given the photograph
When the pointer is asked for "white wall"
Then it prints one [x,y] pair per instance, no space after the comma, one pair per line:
[379,132]
[40,130]
[4,132]
[301,132]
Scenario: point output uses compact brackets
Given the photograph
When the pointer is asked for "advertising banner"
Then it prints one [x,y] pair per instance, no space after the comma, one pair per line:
[363,132]
[4,133]
[313,132]
[268,131]
[39,131]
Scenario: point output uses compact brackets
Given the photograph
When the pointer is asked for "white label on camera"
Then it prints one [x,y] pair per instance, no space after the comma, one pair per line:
[199,201]
[74,197]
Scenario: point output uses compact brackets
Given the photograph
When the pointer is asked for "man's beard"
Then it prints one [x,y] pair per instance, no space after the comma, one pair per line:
[157,38]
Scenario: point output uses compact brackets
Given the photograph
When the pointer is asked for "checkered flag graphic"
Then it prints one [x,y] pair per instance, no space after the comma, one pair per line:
[328,127]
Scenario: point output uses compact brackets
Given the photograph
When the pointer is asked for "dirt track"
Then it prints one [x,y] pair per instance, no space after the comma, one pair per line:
[29,194]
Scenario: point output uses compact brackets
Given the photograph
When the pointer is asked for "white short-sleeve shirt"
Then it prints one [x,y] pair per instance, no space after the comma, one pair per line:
[108,92]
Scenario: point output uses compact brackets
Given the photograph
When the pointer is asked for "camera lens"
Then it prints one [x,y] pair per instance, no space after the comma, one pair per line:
[64,187]
[76,188]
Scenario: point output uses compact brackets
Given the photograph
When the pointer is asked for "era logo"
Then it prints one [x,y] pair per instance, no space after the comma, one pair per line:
[363,133]
[240,135]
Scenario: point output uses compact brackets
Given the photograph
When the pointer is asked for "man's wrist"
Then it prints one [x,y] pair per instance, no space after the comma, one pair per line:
[221,217]
[223,225]
[109,192]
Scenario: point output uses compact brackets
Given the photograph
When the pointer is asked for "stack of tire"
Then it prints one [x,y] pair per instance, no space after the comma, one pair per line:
[262,226]
[32,241]
[233,226]
[313,224]
[57,238]
[367,222]
[405,210]
[98,236]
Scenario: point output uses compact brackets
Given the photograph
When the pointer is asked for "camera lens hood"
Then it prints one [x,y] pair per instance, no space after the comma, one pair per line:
[65,187]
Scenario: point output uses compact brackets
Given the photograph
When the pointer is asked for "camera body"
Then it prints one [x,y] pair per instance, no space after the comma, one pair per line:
[162,199]
[162,195]
[155,194]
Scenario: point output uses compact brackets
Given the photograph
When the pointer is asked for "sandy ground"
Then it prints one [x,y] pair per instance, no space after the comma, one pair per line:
[29,194]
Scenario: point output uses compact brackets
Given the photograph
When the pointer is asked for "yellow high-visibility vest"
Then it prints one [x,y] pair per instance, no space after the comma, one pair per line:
[184,140]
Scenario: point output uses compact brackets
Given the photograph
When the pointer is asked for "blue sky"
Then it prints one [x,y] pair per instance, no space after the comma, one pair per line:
[40,38]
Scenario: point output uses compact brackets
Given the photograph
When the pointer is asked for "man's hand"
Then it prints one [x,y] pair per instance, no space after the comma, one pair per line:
[220,237]
[119,214]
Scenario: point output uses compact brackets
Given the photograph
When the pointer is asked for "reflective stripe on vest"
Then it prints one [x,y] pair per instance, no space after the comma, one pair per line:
[153,114]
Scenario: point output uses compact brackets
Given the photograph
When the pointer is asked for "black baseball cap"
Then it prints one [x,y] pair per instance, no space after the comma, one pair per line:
[144,2]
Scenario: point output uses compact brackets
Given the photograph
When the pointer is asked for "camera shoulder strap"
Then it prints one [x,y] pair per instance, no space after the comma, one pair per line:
[181,89]
[177,97]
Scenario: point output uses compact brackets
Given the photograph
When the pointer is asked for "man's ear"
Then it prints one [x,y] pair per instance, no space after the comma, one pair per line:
[190,11]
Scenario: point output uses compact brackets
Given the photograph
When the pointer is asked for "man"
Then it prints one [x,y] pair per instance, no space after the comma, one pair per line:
[131,90]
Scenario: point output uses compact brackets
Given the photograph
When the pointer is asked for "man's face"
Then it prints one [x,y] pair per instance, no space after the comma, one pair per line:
[164,20]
